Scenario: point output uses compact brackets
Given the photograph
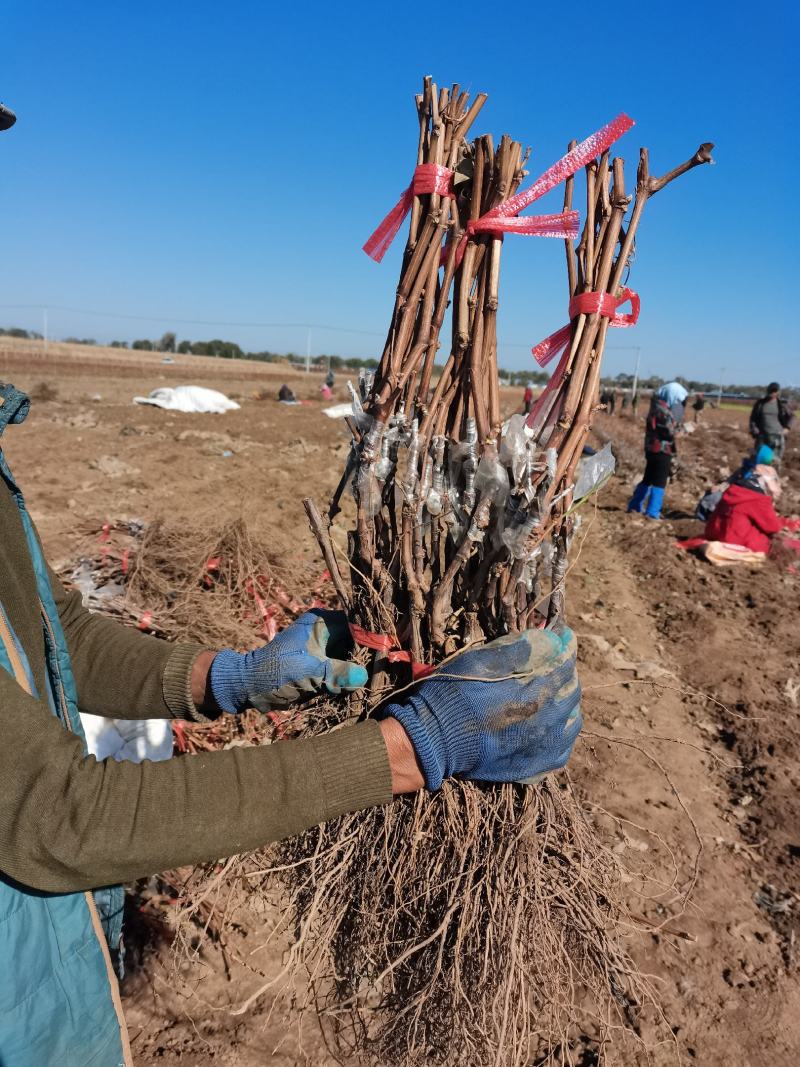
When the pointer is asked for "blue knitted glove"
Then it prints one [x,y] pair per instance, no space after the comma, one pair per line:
[492,727]
[298,662]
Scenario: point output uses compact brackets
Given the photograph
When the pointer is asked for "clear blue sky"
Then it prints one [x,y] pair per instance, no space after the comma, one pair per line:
[226,161]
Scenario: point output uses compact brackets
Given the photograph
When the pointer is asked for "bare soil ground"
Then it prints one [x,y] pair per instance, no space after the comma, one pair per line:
[689,760]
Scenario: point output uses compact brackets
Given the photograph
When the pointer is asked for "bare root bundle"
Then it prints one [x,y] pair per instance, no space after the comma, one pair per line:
[470,922]
[479,924]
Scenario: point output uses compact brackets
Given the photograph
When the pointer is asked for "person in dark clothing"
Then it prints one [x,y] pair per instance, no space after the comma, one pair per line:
[770,419]
[286,396]
[608,400]
[659,450]
[698,406]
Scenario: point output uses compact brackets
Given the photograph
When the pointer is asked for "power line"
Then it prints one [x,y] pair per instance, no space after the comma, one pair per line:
[171,320]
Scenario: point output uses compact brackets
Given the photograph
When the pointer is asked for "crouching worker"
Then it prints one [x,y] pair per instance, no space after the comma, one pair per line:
[745,515]
[659,449]
[763,456]
[73,828]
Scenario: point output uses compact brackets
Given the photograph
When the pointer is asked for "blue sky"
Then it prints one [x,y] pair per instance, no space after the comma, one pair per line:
[225,162]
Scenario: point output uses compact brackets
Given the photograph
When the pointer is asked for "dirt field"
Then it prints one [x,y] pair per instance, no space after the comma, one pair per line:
[691,677]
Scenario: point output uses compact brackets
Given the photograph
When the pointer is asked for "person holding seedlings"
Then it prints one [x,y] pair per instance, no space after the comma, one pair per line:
[72,827]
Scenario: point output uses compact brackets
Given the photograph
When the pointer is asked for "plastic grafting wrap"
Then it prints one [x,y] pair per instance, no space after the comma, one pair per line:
[578,157]
[588,304]
[428,178]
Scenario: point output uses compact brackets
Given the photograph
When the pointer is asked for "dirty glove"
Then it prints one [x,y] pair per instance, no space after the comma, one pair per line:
[298,662]
[492,727]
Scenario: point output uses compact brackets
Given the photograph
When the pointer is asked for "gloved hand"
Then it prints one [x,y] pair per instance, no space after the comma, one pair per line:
[492,727]
[295,664]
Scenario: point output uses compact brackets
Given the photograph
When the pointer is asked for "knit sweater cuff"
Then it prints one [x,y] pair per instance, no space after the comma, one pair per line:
[354,769]
[176,682]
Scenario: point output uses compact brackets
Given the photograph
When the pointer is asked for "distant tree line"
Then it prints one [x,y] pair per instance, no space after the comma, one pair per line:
[168,342]
[625,381]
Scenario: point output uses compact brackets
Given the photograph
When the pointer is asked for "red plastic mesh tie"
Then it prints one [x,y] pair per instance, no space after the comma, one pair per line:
[588,304]
[428,178]
[385,643]
[505,217]
[583,304]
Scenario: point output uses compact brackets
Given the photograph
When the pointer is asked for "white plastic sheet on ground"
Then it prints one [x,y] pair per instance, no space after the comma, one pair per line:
[127,739]
[338,411]
[189,398]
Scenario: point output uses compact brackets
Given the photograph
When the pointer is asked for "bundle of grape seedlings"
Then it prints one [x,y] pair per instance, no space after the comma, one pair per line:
[479,923]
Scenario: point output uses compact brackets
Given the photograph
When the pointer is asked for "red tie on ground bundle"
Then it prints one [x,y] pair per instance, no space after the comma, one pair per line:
[385,643]
[428,178]
[505,218]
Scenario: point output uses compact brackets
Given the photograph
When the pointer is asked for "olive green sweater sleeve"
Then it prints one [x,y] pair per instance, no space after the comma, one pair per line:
[69,822]
[120,672]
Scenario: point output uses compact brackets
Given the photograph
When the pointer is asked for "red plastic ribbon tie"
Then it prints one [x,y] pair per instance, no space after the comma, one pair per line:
[385,643]
[179,734]
[691,543]
[145,620]
[428,178]
[505,217]
[588,304]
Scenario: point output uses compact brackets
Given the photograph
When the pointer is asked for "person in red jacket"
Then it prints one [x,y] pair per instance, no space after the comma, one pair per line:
[746,513]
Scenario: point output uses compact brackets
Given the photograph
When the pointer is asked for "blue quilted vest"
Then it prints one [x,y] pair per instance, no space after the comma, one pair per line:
[59,999]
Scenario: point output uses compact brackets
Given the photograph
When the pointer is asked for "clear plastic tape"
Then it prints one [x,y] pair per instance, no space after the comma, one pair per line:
[516,449]
[369,491]
[592,471]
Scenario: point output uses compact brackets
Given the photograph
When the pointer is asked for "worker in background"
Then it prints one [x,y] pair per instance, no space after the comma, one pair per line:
[527,399]
[698,406]
[762,456]
[286,395]
[608,400]
[659,449]
[746,513]
[770,420]
[330,379]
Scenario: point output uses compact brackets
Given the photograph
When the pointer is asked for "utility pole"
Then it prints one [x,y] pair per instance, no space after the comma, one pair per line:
[308,351]
[44,329]
[636,373]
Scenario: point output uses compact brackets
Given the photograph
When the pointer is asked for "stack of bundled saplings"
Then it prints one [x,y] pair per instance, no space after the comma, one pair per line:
[479,924]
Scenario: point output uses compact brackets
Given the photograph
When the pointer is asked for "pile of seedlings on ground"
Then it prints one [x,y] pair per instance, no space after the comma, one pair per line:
[215,585]
[482,923]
